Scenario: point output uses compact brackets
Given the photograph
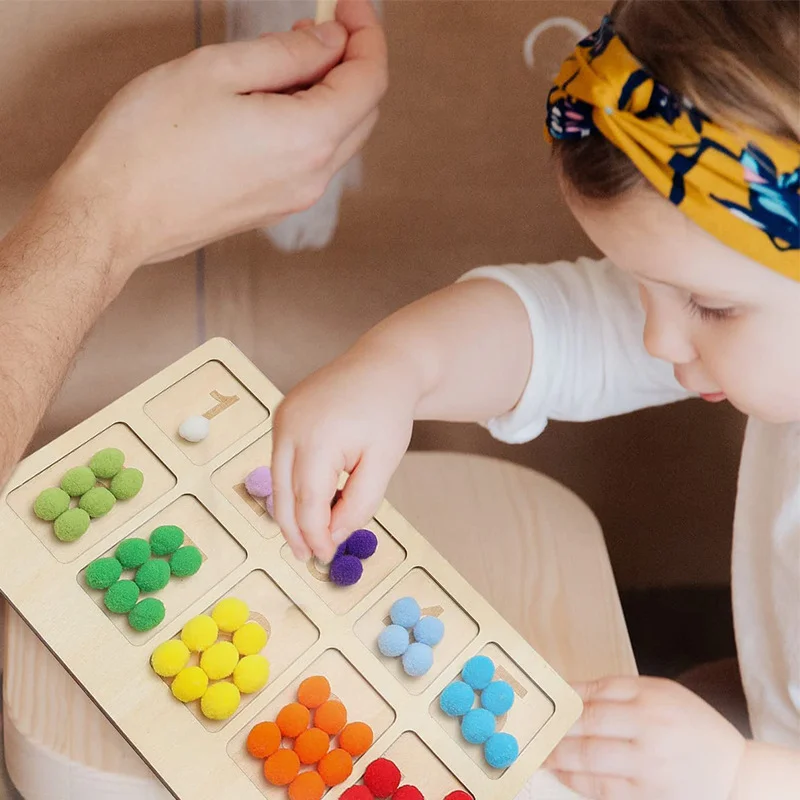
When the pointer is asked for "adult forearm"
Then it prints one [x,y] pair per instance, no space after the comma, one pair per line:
[768,771]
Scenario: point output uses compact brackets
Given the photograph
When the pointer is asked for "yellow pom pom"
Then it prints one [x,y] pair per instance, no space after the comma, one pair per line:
[200,633]
[230,614]
[250,639]
[251,674]
[220,701]
[219,660]
[169,658]
[190,684]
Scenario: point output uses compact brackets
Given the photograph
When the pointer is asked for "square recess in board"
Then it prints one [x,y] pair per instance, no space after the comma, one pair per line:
[362,701]
[158,480]
[214,393]
[290,633]
[341,599]
[221,555]
[459,628]
[531,710]
[229,480]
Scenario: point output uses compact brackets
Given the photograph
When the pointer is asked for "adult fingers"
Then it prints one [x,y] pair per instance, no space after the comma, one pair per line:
[598,787]
[607,719]
[353,143]
[615,690]
[595,756]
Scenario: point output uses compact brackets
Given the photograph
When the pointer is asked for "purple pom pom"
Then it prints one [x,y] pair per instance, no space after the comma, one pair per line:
[362,544]
[346,570]
[259,482]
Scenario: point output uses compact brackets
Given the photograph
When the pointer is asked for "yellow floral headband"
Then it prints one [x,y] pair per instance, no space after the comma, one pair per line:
[743,188]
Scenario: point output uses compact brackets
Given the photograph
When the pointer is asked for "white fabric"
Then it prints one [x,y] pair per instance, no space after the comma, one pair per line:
[590,362]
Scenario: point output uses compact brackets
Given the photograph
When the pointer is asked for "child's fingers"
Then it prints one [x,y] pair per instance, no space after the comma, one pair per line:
[303,24]
[612,720]
[360,499]
[596,756]
[598,786]
[315,481]
[283,498]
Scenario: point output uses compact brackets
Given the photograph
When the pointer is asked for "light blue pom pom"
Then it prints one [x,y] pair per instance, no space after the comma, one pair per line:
[429,630]
[405,612]
[478,672]
[478,725]
[501,750]
[497,697]
[418,659]
[393,641]
[457,699]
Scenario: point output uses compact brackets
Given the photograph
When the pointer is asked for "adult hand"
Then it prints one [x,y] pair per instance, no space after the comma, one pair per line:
[228,138]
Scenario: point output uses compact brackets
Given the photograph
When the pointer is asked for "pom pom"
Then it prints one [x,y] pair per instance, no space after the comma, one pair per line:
[405,612]
[102,573]
[199,633]
[314,691]
[251,674]
[147,614]
[127,483]
[51,504]
[293,720]
[194,429]
[361,544]
[281,768]
[477,725]
[307,786]
[346,570]
[77,481]
[107,463]
[121,597]
[382,777]
[169,658]
[478,672]
[408,793]
[459,795]
[250,639]
[219,660]
[457,699]
[153,575]
[259,482]
[230,614]
[417,660]
[132,553]
[501,751]
[356,738]
[358,793]
[331,717]
[497,697]
[166,539]
[311,745]
[71,525]
[185,561]
[393,641]
[264,740]
[190,684]
[97,502]
[429,630]
[220,701]
[335,767]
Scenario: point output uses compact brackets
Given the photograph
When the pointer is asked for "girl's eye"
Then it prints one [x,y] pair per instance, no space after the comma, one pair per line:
[708,314]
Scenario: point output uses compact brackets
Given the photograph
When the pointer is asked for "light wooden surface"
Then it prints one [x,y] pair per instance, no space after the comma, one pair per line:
[527,544]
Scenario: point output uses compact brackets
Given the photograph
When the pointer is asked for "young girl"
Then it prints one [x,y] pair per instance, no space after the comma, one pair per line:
[676,129]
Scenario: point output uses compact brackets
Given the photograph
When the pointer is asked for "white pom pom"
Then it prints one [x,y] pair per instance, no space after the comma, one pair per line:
[194,429]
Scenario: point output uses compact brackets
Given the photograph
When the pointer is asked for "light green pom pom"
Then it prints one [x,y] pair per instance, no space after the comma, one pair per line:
[107,463]
[50,504]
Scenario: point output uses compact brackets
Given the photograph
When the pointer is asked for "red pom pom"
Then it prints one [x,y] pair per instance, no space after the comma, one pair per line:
[459,795]
[382,777]
[408,793]
[357,793]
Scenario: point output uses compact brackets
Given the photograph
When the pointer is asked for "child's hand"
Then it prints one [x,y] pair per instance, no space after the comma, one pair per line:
[355,416]
[648,739]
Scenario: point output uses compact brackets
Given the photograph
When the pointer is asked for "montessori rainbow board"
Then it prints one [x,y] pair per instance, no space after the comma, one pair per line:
[314,626]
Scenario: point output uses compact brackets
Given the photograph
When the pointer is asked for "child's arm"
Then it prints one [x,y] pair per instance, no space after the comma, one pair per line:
[768,771]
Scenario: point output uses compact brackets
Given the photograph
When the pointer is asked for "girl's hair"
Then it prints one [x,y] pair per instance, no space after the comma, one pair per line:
[736,60]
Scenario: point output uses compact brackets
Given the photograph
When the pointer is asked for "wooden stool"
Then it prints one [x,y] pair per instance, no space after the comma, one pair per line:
[529,545]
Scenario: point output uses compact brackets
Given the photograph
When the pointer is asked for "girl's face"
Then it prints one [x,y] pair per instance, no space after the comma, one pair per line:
[729,326]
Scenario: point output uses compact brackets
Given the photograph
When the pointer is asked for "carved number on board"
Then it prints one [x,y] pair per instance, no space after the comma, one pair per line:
[519,690]
[223,402]
[258,506]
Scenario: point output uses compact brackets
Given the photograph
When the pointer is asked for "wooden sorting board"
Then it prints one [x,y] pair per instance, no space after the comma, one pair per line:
[315,627]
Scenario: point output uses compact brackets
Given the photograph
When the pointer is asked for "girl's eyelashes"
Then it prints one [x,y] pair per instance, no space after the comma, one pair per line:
[708,314]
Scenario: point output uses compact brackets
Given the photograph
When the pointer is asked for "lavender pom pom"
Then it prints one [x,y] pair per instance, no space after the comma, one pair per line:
[259,482]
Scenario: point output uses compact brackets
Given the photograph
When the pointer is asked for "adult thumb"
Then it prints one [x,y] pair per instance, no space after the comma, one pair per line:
[278,61]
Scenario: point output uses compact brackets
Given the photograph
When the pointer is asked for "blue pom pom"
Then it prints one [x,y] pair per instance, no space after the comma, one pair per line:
[429,630]
[457,699]
[393,641]
[478,725]
[405,612]
[417,660]
[478,672]
[501,750]
[497,697]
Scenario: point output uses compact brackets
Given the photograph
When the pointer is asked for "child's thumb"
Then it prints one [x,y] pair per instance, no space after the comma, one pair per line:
[361,496]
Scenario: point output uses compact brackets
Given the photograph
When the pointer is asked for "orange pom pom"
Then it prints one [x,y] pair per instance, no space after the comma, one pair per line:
[281,768]
[336,767]
[356,738]
[314,691]
[311,745]
[307,786]
[293,719]
[263,740]
[331,717]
